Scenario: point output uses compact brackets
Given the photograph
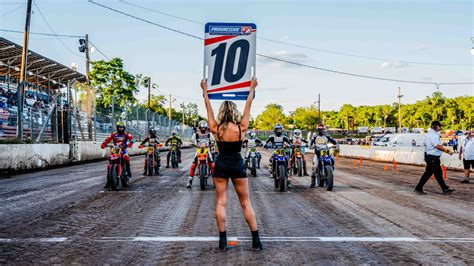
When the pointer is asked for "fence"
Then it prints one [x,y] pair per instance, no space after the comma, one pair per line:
[62,116]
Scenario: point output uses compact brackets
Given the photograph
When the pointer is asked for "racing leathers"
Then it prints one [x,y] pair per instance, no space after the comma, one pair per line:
[200,139]
[124,140]
[297,143]
[319,141]
[152,141]
[252,143]
[173,141]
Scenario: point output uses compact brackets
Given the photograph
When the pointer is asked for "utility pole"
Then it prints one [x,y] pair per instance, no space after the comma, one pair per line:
[149,103]
[88,91]
[399,96]
[319,108]
[24,62]
[182,106]
[169,110]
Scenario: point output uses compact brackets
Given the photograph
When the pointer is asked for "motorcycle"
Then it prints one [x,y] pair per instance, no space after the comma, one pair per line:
[252,161]
[152,159]
[325,171]
[203,165]
[298,161]
[115,169]
[280,169]
[174,156]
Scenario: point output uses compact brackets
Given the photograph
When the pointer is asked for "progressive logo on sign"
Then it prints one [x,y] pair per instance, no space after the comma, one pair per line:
[229,59]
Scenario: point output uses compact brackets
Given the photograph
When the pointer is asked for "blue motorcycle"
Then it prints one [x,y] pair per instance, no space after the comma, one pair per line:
[280,168]
[325,171]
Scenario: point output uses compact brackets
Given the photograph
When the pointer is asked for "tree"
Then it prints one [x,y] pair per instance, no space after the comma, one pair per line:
[111,80]
[272,114]
[191,113]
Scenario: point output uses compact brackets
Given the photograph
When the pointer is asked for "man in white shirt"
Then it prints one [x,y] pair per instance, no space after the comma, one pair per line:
[433,150]
[467,149]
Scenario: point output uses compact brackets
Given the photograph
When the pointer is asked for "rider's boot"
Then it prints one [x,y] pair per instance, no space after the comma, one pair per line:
[167,161]
[313,181]
[288,184]
[127,168]
[223,241]
[190,182]
[256,244]
[107,185]
[144,170]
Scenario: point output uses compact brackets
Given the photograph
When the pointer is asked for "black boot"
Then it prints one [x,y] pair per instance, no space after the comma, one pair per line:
[305,169]
[313,182]
[107,185]
[256,244]
[223,241]
[288,184]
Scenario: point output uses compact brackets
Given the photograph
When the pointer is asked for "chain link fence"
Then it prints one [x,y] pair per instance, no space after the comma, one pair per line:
[62,116]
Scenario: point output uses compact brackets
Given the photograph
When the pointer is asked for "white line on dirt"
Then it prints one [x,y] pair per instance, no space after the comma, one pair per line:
[270,192]
[120,191]
[170,239]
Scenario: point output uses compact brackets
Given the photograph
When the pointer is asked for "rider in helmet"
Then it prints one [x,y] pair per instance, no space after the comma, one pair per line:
[319,140]
[202,137]
[278,141]
[152,139]
[174,140]
[297,142]
[252,142]
[123,139]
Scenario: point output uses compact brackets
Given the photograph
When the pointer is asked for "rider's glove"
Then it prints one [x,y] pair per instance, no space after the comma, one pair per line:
[130,144]
[141,146]
[102,146]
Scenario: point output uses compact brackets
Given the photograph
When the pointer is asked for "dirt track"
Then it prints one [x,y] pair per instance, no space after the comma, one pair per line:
[63,216]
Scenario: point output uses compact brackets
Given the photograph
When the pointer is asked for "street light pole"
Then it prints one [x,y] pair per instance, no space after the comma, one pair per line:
[24,61]
[399,96]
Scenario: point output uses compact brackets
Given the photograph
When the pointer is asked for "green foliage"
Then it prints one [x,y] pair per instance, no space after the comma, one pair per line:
[111,80]
[454,113]
[272,114]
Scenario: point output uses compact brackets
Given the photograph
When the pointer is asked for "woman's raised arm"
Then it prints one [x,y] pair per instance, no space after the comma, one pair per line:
[207,102]
[244,124]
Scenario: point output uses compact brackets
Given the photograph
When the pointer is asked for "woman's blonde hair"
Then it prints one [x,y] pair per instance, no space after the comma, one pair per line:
[228,113]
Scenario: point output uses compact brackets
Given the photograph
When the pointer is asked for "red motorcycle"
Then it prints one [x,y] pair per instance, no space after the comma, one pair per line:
[115,169]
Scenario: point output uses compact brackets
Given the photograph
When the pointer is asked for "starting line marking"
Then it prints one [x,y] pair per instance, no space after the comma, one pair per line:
[121,191]
[270,192]
[244,239]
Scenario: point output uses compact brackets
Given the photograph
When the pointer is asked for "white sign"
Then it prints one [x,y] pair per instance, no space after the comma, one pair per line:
[229,59]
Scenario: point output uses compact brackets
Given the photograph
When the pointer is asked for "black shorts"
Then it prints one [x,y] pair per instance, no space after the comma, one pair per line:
[468,164]
[230,166]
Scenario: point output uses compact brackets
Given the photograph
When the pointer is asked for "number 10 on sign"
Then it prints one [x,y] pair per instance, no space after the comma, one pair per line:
[229,59]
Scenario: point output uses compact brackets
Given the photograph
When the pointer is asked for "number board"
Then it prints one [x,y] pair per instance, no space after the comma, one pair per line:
[229,59]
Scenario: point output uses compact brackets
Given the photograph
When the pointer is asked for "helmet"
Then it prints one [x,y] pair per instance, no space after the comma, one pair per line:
[173,132]
[120,126]
[152,131]
[203,126]
[297,133]
[252,134]
[278,130]
[321,129]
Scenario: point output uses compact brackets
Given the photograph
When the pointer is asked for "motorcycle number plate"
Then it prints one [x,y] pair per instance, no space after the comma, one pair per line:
[325,153]
[115,151]
[150,149]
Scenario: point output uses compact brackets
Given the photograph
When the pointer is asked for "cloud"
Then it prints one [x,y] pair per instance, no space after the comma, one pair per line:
[300,58]
[422,47]
[394,64]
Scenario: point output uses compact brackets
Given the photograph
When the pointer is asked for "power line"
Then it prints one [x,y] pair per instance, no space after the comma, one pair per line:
[99,51]
[283,60]
[44,34]
[54,33]
[13,10]
[307,47]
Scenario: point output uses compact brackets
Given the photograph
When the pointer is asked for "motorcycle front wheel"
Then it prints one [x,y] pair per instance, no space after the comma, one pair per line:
[329,180]
[202,176]
[282,179]
[114,178]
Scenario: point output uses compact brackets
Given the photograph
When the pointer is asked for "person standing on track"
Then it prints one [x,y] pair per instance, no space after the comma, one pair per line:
[466,153]
[433,150]
[229,130]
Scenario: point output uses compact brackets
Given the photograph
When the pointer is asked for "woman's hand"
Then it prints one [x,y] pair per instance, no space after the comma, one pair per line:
[253,84]
[204,86]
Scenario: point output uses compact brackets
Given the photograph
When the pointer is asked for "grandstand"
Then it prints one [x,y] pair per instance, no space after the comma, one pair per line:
[45,80]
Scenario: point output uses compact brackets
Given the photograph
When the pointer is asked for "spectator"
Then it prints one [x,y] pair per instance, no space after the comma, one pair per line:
[413,143]
[467,151]
[433,150]
[455,144]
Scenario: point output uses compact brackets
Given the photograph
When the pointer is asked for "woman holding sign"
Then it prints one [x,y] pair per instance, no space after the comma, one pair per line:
[229,131]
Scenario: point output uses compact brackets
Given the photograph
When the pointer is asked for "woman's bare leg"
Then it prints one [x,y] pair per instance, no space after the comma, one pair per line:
[221,201]
[242,188]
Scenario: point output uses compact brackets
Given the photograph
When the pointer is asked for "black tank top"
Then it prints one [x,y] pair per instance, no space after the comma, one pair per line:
[230,147]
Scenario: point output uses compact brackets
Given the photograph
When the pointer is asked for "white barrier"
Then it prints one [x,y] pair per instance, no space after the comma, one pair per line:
[17,157]
[405,155]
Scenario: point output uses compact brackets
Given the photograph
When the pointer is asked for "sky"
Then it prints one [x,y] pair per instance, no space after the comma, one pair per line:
[395,31]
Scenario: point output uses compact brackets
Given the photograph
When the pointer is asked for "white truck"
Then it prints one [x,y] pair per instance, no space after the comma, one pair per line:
[362,130]
[376,130]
